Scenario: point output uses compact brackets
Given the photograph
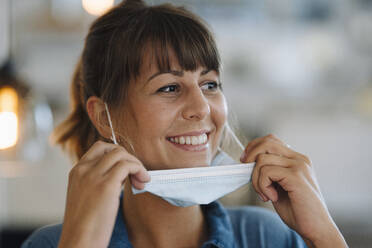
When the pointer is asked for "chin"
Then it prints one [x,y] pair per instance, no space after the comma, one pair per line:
[190,162]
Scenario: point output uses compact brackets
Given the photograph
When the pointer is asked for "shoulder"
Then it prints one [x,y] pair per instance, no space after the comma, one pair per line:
[256,225]
[47,236]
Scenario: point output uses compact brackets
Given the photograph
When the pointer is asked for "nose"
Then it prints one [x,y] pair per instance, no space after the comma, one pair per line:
[197,106]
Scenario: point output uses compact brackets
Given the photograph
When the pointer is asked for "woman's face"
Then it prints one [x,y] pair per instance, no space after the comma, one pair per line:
[175,119]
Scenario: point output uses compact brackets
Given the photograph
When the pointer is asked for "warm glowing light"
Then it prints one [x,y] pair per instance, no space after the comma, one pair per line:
[8,129]
[8,117]
[97,7]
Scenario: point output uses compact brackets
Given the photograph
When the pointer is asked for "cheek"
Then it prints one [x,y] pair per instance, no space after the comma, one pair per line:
[153,121]
[219,117]
[219,112]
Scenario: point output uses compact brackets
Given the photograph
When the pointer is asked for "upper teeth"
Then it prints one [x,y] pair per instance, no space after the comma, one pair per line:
[190,140]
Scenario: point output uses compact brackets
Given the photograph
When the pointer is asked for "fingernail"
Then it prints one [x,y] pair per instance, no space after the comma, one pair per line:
[242,157]
[145,177]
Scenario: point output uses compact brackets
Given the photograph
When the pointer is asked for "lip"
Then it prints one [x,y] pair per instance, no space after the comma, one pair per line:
[193,133]
[191,148]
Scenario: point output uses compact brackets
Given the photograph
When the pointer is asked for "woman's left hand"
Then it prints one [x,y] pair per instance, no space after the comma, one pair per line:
[287,178]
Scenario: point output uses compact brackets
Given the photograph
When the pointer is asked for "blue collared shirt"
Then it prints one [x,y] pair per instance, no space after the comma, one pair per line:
[239,227]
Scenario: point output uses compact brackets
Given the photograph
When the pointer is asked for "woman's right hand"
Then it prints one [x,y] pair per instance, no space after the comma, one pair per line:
[93,194]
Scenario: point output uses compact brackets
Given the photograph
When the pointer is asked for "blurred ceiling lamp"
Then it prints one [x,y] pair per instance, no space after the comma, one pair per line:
[8,117]
[25,118]
[9,99]
[97,7]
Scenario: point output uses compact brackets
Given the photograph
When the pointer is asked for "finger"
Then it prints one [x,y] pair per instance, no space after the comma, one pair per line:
[269,174]
[271,146]
[274,159]
[80,169]
[296,155]
[265,147]
[254,143]
[268,159]
[111,158]
[120,171]
[97,150]
[250,145]
[136,183]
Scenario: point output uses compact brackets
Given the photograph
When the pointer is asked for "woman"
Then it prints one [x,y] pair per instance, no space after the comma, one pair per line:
[157,68]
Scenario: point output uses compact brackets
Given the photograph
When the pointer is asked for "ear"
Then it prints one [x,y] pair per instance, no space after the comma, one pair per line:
[97,114]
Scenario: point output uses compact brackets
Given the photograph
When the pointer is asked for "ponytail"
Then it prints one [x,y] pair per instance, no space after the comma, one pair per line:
[76,134]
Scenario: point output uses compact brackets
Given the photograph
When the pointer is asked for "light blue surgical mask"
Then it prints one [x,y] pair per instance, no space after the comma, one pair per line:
[198,185]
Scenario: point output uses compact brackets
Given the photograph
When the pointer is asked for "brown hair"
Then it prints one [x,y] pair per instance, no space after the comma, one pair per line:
[112,56]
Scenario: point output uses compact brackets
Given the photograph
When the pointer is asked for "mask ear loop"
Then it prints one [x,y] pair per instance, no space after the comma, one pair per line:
[234,136]
[113,138]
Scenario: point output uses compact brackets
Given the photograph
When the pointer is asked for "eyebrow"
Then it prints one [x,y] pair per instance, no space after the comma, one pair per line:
[175,73]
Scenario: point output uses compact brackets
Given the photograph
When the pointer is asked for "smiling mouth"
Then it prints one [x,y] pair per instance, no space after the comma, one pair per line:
[191,142]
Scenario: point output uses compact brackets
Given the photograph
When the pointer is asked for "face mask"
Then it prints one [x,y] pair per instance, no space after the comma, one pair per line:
[199,185]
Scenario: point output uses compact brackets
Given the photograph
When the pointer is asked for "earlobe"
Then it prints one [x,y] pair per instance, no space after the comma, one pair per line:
[96,111]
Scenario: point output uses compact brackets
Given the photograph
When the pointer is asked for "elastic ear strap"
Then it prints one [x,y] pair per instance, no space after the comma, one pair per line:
[110,123]
[234,136]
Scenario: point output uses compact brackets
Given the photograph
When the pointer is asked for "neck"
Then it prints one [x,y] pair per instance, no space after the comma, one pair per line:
[152,221]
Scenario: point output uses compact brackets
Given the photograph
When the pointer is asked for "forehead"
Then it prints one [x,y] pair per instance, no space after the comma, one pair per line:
[164,60]
[154,61]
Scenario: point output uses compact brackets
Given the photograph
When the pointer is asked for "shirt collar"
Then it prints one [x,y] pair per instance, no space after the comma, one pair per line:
[220,230]
[218,221]
[119,237]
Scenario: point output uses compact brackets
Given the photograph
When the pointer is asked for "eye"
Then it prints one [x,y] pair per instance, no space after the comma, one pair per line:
[211,86]
[169,88]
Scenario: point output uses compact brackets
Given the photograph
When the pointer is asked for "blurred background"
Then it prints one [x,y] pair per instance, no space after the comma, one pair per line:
[296,68]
